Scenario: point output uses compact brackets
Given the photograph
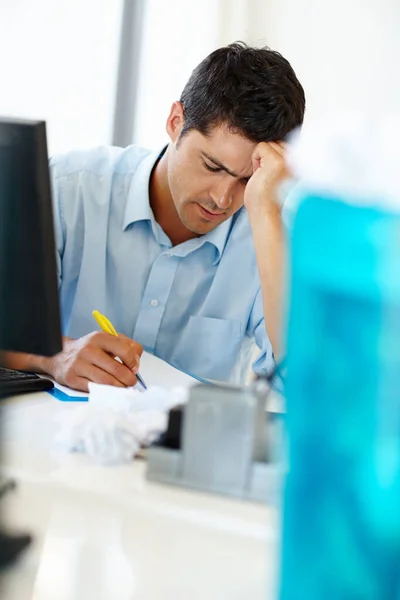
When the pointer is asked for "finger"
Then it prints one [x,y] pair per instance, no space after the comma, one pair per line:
[269,150]
[263,151]
[138,348]
[279,147]
[95,374]
[264,155]
[127,350]
[130,353]
[79,384]
[256,158]
[110,365]
[127,338]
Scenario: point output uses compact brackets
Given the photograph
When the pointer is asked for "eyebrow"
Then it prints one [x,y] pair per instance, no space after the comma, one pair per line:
[221,166]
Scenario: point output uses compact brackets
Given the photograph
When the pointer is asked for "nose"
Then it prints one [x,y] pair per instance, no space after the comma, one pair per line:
[223,193]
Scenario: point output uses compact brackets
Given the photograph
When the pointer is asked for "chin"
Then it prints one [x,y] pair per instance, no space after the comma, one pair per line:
[197,226]
[200,228]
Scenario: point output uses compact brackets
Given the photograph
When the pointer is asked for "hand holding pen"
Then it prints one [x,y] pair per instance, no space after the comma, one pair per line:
[91,358]
[108,327]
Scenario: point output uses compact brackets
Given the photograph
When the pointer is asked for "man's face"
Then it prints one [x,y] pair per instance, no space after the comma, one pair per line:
[207,176]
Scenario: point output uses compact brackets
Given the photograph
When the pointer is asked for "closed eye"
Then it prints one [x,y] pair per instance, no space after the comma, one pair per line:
[210,168]
[244,180]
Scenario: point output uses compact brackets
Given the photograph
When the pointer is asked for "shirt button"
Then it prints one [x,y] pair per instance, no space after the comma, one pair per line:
[168,254]
[154,303]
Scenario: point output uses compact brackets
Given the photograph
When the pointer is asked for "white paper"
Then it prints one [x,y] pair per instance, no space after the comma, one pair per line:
[154,372]
[68,391]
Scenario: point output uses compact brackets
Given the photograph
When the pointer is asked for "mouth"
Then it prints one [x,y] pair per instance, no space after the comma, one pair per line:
[210,216]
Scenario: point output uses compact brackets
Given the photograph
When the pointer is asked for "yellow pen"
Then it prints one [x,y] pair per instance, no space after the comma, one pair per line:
[108,327]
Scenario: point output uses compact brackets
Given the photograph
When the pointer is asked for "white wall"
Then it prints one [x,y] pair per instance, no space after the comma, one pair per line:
[59,62]
[177,35]
[59,57]
[345,52]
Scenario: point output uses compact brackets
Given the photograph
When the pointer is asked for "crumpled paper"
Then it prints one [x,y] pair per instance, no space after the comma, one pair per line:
[117,422]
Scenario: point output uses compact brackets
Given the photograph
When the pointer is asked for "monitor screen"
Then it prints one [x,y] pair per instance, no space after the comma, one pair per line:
[29,306]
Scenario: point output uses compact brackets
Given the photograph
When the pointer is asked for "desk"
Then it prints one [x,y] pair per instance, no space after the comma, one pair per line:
[105,533]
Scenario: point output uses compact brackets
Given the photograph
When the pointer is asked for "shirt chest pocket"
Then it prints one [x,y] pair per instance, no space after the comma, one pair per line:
[208,348]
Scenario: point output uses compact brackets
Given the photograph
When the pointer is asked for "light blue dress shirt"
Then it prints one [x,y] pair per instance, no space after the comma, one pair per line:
[196,305]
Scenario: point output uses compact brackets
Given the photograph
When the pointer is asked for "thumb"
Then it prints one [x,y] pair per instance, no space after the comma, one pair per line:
[261,152]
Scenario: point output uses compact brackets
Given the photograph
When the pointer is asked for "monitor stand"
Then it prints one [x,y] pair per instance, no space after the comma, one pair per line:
[11,546]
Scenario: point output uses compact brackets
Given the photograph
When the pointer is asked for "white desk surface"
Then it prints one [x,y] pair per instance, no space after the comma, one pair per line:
[105,533]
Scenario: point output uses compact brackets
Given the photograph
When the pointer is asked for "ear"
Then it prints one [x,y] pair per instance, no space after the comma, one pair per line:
[175,121]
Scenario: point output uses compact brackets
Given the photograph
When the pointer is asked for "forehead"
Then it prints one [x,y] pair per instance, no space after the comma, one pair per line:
[231,149]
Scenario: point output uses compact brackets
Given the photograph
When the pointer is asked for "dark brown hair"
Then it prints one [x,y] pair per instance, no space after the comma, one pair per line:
[254,91]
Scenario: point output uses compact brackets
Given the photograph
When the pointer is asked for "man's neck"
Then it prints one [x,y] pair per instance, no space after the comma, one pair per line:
[163,206]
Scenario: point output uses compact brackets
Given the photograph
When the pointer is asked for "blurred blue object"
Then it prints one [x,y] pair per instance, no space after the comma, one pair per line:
[341,524]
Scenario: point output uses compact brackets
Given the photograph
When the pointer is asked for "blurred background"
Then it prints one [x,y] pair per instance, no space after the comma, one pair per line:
[107,71]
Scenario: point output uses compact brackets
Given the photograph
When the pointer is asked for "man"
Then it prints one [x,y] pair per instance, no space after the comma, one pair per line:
[182,249]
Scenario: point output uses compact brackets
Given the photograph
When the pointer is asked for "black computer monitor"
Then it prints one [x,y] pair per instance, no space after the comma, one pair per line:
[29,306]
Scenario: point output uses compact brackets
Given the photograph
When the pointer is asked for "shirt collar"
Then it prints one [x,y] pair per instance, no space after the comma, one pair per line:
[218,237]
[138,203]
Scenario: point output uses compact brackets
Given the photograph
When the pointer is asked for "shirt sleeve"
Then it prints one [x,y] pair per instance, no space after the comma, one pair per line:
[265,361]
[257,330]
